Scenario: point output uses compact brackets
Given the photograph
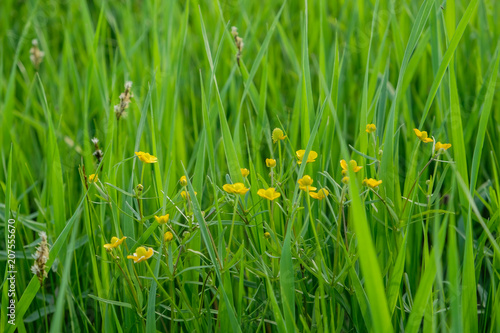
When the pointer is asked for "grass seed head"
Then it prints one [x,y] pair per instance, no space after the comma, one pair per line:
[36,55]
[125,98]
[41,256]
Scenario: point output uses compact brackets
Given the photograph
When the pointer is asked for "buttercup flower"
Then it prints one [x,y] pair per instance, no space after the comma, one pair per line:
[141,254]
[352,163]
[305,184]
[183,181]
[267,235]
[115,242]
[185,194]
[162,219]
[228,188]
[93,178]
[310,158]
[443,146]
[371,182]
[244,172]
[146,157]
[370,128]
[320,195]
[278,135]
[269,194]
[168,236]
[270,162]
[422,136]
[238,188]
[345,180]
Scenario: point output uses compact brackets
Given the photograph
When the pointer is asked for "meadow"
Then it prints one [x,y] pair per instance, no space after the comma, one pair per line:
[249,166]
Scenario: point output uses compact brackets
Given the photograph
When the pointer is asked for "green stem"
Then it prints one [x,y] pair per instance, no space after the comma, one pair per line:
[281,161]
[320,265]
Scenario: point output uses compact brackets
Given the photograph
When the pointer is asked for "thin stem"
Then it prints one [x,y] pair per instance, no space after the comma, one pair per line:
[281,161]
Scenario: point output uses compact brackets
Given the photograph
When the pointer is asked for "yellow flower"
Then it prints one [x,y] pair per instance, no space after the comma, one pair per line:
[305,184]
[115,242]
[422,136]
[371,182]
[146,157]
[345,180]
[267,235]
[439,146]
[168,236]
[185,194]
[270,162]
[310,158]
[370,128]
[323,193]
[238,188]
[183,181]
[244,172]
[352,163]
[162,219]
[141,254]
[269,194]
[278,135]
[93,178]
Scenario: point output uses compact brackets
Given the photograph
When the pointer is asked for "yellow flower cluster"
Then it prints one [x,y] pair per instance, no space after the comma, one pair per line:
[370,128]
[345,169]
[305,184]
[141,254]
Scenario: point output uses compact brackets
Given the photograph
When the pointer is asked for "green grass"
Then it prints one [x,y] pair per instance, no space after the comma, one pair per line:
[418,253]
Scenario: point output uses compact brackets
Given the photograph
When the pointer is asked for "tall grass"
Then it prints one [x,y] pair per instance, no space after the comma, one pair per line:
[418,252]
